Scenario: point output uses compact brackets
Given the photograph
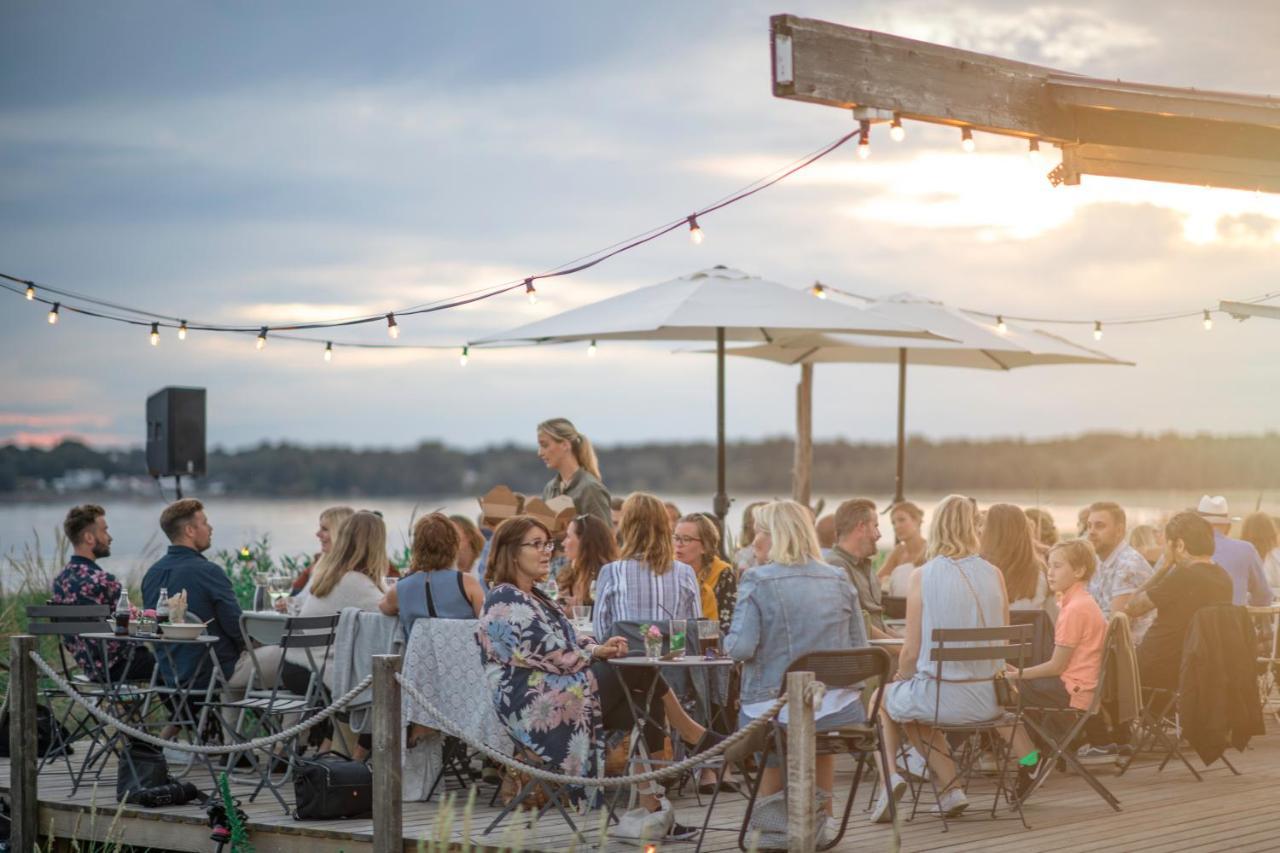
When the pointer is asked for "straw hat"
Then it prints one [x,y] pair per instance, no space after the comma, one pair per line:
[1214,510]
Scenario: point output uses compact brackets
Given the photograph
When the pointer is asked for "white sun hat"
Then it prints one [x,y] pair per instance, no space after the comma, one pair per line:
[1214,510]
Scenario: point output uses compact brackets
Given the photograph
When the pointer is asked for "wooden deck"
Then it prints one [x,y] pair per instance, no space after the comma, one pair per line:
[1163,812]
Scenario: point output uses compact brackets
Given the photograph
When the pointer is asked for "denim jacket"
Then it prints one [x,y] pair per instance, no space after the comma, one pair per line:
[784,612]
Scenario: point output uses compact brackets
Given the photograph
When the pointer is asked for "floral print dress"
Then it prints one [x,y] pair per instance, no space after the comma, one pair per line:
[83,581]
[539,674]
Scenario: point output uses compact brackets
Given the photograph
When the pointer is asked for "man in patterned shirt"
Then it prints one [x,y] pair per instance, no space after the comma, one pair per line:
[83,581]
[1121,569]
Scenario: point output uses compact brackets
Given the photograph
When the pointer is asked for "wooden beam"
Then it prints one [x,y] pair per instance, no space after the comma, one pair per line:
[801,765]
[1244,310]
[388,805]
[1169,167]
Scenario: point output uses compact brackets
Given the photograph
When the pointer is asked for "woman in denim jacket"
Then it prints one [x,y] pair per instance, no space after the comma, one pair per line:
[790,606]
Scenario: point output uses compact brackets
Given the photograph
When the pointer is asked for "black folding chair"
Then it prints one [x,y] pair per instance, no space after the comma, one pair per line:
[837,668]
[1061,744]
[1010,644]
[557,795]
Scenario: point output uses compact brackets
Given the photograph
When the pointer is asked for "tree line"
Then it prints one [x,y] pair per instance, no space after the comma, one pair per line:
[1098,460]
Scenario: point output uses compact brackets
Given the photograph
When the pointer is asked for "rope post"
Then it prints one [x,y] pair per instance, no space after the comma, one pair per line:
[24,801]
[801,762]
[388,809]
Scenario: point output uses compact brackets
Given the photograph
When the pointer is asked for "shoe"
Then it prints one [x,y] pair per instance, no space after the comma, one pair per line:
[952,803]
[828,828]
[680,832]
[1026,780]
[1097,755]
[880,812]
[916,769]
[640,826]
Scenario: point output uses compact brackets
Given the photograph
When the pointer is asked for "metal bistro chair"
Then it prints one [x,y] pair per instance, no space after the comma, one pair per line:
[65,621]
[265,711]
[839,668]
[1267,621]
[1011,644]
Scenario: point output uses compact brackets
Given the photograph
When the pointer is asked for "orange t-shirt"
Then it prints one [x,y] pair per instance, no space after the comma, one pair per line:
[1082,627]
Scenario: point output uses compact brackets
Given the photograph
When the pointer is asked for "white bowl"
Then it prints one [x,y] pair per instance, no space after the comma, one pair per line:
[183,631]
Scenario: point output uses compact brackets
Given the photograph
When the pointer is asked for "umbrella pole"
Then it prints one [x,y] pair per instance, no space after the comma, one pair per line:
[898,496]
[721,504]
[802,473]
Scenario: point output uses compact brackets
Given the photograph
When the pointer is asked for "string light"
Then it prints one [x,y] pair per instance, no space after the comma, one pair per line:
[1097,330]
[462,359]
[1033,151]
[393,328]
[1001,326]
[53,313]
[1208,321]
[966,140]
[155,334]
[328,350]
[591,350]
[864,139]
[182,330]
[819,290]
[262,338]
[695,230]
[31,292]
[896,131]
[531,291]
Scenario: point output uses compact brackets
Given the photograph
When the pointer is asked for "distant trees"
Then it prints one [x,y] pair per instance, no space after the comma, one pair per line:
[1099,460]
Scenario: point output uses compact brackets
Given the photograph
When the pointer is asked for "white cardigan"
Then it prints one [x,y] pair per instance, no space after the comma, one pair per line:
[354,589]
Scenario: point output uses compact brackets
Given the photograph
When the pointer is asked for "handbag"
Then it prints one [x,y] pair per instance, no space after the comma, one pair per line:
[141,768]
[1003,690]
[332,786]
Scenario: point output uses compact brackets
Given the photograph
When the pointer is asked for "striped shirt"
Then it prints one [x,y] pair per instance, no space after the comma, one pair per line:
[626,590]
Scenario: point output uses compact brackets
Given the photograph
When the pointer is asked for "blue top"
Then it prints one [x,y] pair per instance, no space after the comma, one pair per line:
[784,612]
[1241,560]
[209,596]
[447,599]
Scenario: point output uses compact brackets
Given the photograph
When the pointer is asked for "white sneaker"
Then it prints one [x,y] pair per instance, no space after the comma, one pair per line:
[828,826]
[880,813]
[952,803]
[640,826]
[916,768]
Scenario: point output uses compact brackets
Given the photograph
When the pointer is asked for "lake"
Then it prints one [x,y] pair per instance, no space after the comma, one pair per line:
[291,522]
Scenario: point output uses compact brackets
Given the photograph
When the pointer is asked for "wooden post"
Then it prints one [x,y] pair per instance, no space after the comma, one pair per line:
[24,802]
[802,473]
[801,764]
[388,809]
[899,481]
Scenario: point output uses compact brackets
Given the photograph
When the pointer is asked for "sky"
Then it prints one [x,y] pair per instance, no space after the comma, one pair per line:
[259,163]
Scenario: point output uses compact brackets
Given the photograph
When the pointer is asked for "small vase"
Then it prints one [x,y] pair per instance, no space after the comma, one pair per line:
[653,648]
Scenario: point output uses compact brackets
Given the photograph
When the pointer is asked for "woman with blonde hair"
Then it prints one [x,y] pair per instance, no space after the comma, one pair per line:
[331,519]
[792,605]
[1145,539]
[569,453]
[956,588]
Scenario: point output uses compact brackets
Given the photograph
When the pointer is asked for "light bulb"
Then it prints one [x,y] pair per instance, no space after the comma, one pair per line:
[328,351]
[1097,330]
[53,313]
[591,350]
[262,338]
[182,330]
[1001,326]
[1033,151]
[966,140]
[864,139]
[31,292]
[462,359]
[896,131]
[155,334]
[819,290]
[695,231]
[531,291]
[393,329]
[1208,321]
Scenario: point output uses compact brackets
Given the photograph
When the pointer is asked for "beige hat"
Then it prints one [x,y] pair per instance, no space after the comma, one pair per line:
[1214,510]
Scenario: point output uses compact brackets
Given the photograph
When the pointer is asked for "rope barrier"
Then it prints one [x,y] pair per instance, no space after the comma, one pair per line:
[199,749]
[450,728]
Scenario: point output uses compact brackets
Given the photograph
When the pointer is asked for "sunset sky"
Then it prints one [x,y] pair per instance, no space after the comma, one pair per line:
[258,163]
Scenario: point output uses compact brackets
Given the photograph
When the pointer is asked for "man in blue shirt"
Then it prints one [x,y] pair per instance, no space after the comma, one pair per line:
[209,597]
[1239,558]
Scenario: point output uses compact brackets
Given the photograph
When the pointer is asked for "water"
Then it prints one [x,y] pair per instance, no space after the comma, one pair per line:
[291,523]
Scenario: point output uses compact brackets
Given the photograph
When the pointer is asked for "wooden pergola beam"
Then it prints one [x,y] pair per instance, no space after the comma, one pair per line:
[1104,127]
[1245,310]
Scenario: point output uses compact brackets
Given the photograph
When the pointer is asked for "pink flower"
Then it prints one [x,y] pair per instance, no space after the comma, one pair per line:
[654,632]
[149,613]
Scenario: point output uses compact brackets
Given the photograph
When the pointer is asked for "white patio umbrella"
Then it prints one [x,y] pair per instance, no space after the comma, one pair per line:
[718,304]
[969,343]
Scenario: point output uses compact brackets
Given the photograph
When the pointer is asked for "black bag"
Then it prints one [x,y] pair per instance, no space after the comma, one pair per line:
[141,768]
[51,736]
[332,786]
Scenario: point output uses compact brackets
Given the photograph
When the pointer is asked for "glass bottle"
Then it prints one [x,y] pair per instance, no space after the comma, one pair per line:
[162,607]
[123,609]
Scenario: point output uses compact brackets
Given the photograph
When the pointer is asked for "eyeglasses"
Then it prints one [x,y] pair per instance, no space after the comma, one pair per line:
[539,545]
[685,540]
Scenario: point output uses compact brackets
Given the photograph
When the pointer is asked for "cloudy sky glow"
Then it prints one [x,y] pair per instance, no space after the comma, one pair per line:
[250,163]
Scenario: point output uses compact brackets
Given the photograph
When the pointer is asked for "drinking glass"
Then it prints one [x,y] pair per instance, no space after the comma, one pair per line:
[709,637]
[678,627]
[582,613]
[279,585]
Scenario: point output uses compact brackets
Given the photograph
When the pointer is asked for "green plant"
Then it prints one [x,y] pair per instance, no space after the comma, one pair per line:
[244,563]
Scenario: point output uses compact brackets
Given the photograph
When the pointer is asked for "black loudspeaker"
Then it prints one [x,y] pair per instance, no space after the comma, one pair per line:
[175,432]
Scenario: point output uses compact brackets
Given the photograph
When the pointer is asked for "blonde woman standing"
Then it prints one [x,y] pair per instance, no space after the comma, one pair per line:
[569,453]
